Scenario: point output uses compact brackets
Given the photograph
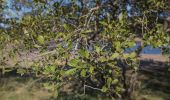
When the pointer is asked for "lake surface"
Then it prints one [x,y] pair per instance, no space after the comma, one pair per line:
[146,50]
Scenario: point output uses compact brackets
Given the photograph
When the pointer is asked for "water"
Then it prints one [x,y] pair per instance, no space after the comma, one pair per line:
[146,50]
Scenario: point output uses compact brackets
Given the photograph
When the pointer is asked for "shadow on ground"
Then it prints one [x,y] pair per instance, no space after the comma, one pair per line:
[154,79]
[153,76]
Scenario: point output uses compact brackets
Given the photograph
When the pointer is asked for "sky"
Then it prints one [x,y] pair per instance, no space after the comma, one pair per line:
[10,12]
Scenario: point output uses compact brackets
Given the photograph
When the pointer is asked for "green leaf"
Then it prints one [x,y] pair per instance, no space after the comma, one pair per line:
[67,27]
[115,55]
[115,81]
[25,31]
[52,68]
[104,89]
[103,23]
[103,59]
[110,26]
[21,71]
[109,81]
[84,53]
[41,40]
[83,73]
[132,55]
[7,70]
[74,62]
[70,45]
[91,70]
[120,16]
[48,86]
[87,31]
[70,71]
[98,49]
[131,44]
[126,56]
[37,46]
[118,46]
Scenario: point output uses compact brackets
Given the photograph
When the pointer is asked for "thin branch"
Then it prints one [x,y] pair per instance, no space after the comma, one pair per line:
[91,88]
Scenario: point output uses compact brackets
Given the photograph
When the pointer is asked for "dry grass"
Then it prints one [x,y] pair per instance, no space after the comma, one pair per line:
[22,89]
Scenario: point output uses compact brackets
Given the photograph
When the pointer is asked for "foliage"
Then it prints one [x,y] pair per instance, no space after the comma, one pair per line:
[90,39]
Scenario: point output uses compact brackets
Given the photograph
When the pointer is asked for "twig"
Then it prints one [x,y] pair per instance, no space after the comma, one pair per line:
[90,14]
[46,53]
[91,88]
[33,82]
[33,39]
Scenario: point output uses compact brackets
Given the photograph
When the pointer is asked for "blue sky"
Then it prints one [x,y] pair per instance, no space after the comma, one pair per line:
[10,12]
